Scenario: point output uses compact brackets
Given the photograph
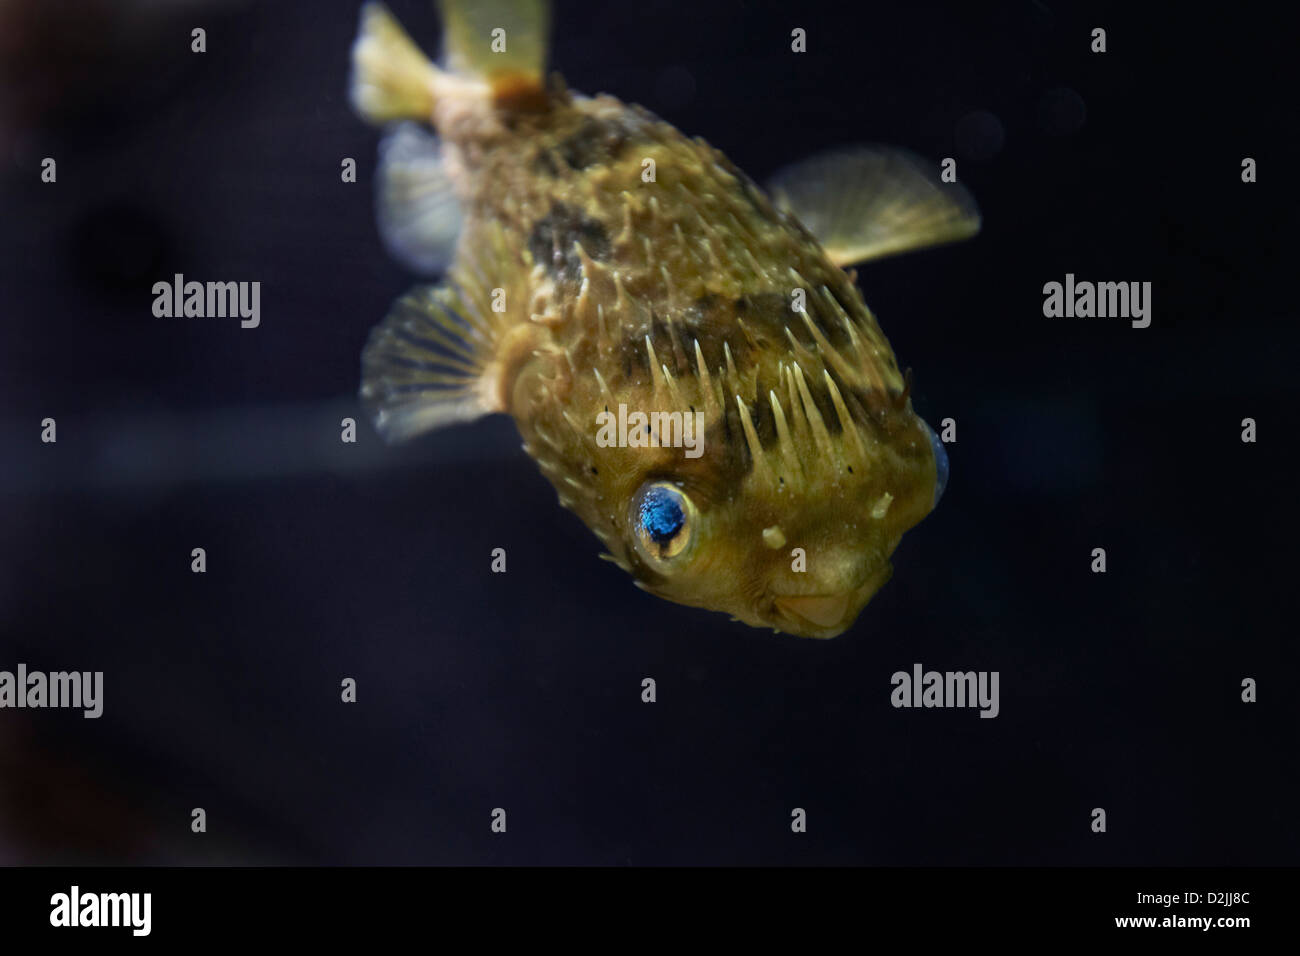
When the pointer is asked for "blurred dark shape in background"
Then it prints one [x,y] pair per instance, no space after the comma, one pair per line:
[119,248]
[64,63]
[979,135]
[1062,112]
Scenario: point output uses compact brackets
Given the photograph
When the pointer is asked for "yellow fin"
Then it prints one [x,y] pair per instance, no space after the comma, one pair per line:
[428,364]
[391,78]
[503,41]
[868,202]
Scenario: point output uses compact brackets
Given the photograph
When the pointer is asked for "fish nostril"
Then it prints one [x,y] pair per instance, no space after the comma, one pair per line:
[940,465]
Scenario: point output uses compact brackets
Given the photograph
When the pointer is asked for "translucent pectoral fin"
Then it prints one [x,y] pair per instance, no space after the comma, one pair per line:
[868,202]
[429,364]
[419,215]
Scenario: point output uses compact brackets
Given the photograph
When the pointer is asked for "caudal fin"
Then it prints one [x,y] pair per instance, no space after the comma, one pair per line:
[391,78]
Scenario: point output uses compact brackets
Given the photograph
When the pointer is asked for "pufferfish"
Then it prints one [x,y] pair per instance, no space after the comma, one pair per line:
[596,260]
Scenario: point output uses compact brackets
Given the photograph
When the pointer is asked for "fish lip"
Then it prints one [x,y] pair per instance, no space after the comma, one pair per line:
[824,612]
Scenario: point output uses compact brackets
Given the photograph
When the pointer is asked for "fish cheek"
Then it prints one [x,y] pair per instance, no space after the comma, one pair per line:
[729,564]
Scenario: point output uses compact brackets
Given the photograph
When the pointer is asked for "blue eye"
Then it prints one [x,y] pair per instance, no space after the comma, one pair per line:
[662,518]
[940,464]
[661,515]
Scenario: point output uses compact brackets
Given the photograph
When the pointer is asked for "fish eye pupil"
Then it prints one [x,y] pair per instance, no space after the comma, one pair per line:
[661,515]
[662,521]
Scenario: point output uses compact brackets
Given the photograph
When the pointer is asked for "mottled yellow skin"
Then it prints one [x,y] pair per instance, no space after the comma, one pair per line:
[594,259]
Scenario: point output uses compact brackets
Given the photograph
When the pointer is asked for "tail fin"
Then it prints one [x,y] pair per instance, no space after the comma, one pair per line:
[391,78]
[502,41]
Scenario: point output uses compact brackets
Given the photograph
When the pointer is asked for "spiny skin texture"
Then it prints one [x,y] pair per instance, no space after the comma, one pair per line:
[676,295]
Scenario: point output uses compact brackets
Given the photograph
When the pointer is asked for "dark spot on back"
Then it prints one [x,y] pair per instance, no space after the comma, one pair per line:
[544,163]
[833,325]
[768,315]
[871,404]
[702,316]
[763,416]
[636,363]
[594,141]
[551,241]
[710,320]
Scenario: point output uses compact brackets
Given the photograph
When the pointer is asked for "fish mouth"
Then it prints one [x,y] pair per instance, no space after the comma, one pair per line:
[829,614]
[820,610]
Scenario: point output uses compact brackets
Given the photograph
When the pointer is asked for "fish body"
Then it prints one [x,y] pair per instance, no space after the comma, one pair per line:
[598,261]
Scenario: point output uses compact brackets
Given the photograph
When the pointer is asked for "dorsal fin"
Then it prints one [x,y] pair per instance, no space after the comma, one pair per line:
[502,41]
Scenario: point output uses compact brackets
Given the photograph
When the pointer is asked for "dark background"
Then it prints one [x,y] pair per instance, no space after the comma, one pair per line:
[522,690]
